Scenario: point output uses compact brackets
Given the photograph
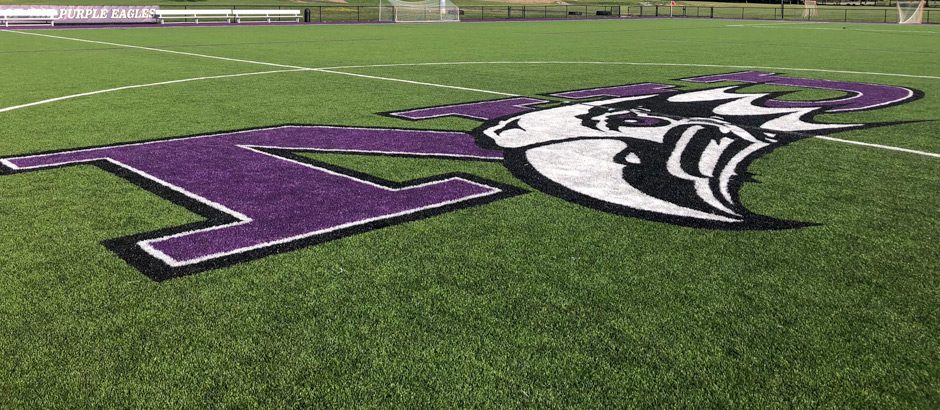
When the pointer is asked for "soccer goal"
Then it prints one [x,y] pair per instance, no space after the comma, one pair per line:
[809,9]
[910,12]
[419,11]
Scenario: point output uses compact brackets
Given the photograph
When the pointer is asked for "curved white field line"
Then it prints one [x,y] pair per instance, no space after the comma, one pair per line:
[131,87]
[331,70]
[239,60]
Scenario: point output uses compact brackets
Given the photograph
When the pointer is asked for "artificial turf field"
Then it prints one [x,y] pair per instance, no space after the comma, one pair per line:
[530,300]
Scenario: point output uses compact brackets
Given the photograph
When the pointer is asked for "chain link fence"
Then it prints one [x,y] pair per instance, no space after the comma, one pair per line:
[370,14]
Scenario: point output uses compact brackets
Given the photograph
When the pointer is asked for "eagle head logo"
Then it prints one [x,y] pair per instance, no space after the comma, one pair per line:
[676,157]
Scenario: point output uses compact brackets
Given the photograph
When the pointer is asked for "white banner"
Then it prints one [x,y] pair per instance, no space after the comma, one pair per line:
[96,14]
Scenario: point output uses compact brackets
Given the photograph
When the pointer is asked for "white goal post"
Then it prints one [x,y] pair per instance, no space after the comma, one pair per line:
[910,12]
[809,9]
[419,11]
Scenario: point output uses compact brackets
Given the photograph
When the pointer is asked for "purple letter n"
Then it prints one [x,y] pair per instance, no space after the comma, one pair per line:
[259,198]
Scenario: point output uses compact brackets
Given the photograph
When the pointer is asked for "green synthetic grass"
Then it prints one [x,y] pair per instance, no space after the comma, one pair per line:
[367,10]
[529,301]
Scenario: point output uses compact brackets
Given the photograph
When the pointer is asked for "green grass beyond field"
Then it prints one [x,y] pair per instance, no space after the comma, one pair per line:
[530,301]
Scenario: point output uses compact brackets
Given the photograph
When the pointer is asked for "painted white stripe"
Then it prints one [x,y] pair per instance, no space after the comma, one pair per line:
[148,247]
[332,71]
[402,153]
[238,60]
[797,26]
[8,164]
[793,23]
[744,67]
[326,70]
[241,218]
[159,50]
[107,147]
[217,206]
[131,87]
[887,147]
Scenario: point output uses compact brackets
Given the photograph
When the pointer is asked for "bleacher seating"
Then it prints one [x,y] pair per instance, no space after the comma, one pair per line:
[28,17]
[195,15]
[266,15]
[228,15]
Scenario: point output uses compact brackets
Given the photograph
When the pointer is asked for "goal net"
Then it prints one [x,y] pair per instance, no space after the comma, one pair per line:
[401,11]
[809,9]
[911,12]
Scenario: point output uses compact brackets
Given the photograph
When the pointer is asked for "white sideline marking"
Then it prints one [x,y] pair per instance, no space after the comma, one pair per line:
[798,27]
[131,87]
[238,60]
[887,147]
[331,70]
[161,50]
[792,23]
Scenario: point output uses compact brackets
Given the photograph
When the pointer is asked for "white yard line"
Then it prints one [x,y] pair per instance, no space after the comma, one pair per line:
[331,70]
